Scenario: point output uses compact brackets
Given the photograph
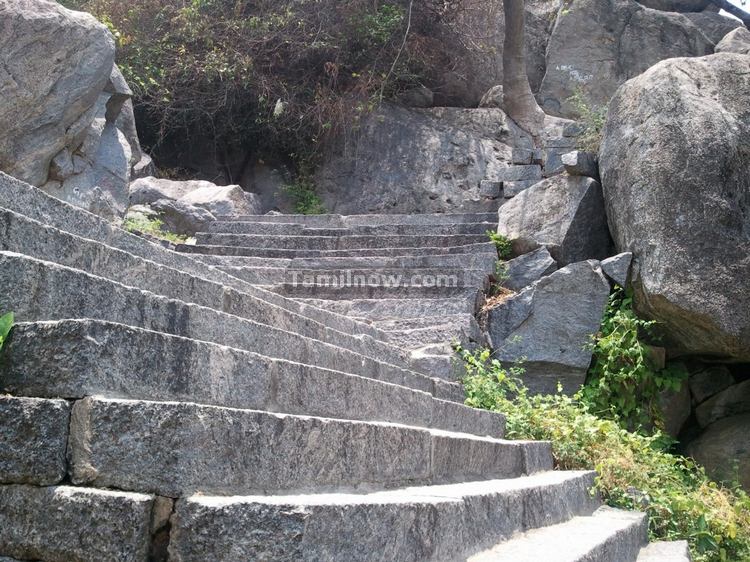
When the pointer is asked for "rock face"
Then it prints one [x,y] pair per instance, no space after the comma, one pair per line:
[54,64]
[676,5]
[714,25]
[412,160]
[599,44]
[737,41]
[723,446]
[564,213]
[550,323]
[675,170]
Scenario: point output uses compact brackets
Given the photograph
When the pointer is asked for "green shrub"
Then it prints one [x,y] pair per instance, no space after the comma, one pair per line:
[152,227]
[503,245]
[306,201]
[635,471]
[592,119]
[623,383]
[6,325]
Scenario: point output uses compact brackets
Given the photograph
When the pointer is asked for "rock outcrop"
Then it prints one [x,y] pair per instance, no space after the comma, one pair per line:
[564,213]
[420,160]
[675,166]
[599,44]
[737,41]
[724,450]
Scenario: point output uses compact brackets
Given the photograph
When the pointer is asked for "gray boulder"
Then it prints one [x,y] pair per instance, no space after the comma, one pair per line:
[713,25]
[737,41]
[675,172]
[181,217]
[617,268]
[729,402]
[549,325]
[227,200]
[599,44]
[528,268]
[676,5]
[54,64]
[724,450]
[580,163]
[676,406]
[564,213]
[493,98]
[709,381]
[146,190]
[419,160]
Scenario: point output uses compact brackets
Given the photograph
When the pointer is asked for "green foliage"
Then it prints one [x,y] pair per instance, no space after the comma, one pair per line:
[6,325]
[503,245]
[592,118]
[623,383]
[634,471]
[306,200]
[152,227]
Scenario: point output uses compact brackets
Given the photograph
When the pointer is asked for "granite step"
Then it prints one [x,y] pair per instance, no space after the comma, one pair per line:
[329,290]
[22,235]
[38,290]
[395,309]
[290,253]
[342,221]
[677,551]
[72,359]
[608,535]
[329,243]
[33,203]
[174,449]
[280,229]
[417,524]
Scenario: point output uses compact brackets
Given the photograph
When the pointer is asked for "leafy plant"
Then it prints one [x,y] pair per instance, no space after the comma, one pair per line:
[306,200]
[635,471]
[152,227]
[503,245]
[592,119]
[6,325]
[623,383]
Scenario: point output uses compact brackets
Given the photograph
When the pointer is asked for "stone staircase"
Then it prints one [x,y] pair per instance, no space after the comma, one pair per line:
[165,406]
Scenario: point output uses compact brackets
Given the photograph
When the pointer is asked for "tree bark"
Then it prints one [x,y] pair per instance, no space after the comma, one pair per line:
[727,6]
[518,100]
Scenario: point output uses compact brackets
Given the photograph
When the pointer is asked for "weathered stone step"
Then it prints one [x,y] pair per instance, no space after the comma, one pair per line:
[419,524]
[395,309]
[609,535]
[281,229]
[173,449]
[677,551]
[72,359]
[342,221]
[329,291]
[486,247]
[413,333]
[26,236]
[33,203]
[37,290]
[329,243]
[67,523]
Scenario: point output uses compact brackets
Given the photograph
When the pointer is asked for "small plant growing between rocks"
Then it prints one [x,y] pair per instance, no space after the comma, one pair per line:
[306,200]
[635,471]
[6,325]
[503,245]
[592,120]
[152,227]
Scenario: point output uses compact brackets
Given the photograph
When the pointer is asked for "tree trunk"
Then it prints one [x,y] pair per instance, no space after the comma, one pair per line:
[727,6]
[518,101]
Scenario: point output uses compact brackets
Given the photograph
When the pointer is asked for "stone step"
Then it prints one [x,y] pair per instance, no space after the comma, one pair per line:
[38,290]
[418,524]
[33,203]
[677,551]
[395,309]
[609,535]
[484,261]
[25,236]
[67,523]
[414,333]
[72,359]
[287,229]
[485,247]
[341,221]
[174,449]
[384,291]
[329,243]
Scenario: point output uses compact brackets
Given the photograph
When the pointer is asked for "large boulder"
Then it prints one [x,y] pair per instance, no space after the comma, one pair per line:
[549,325]
[564,213]
[419,160]
[675,166]
[54,64]
[599,44]
[714,26]
[737,41]
[677,5]
[724,449]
